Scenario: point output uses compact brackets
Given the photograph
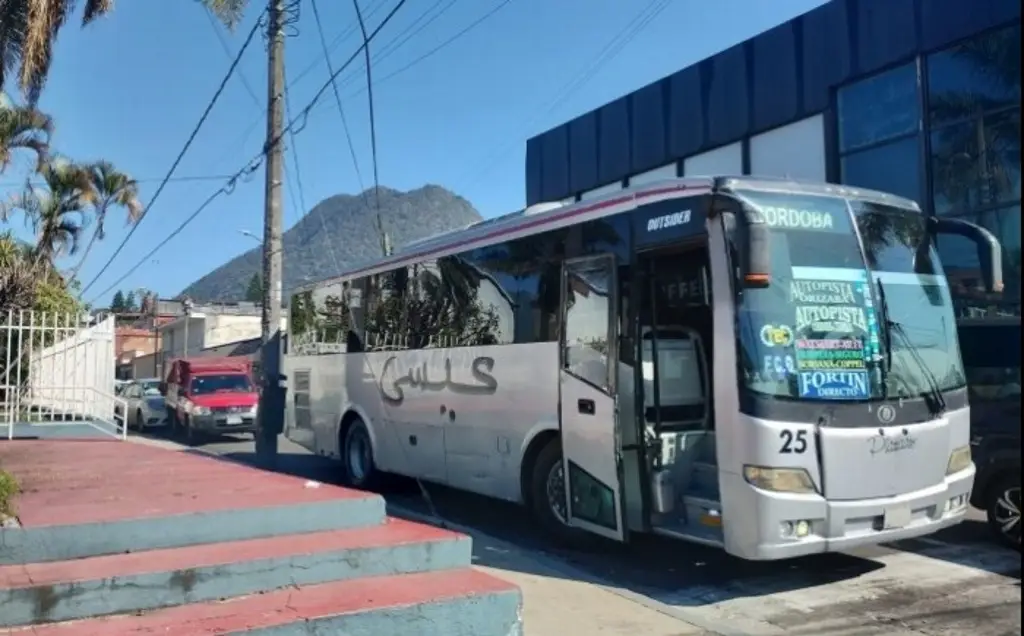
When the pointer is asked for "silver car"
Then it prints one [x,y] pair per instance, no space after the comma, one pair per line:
[145,404]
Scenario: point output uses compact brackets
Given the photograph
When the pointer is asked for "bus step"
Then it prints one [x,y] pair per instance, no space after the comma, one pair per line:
[704,481]
[704,517]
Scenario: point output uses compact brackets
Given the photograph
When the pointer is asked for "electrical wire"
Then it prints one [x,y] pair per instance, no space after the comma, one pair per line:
[210,177]
[337,97]
[257,161]
[373,128]
[181,155]
[607,53]
[424,56]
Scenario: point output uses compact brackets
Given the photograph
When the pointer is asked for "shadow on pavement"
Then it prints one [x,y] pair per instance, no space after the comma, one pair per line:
[693,575]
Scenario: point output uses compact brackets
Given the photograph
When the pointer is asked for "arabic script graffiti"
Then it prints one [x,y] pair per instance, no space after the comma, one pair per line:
[417,377]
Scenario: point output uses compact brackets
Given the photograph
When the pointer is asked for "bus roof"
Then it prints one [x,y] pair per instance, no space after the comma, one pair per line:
[542,217]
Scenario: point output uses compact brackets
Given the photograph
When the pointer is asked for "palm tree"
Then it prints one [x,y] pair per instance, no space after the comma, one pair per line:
[56,210]
[29,29]
[110,188]
[23,128]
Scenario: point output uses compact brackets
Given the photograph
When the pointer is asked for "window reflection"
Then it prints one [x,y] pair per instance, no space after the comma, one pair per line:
[960,261]
[586,323]
[892,168]
[879,108]
[979,76]
[976,163]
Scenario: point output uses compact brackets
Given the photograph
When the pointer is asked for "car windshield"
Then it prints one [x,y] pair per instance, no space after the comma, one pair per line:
[226,383]
[150,388]
[821,330]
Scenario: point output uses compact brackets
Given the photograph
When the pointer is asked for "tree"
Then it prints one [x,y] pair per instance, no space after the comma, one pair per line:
[130,304]
[29,30]
[56,210]
[119,303]
[110,188]
[23,128]
[254,292]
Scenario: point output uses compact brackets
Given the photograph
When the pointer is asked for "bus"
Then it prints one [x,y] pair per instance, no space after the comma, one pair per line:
[760,364]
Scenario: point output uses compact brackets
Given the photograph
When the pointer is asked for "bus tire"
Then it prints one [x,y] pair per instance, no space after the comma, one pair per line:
[358,469]
[547,468]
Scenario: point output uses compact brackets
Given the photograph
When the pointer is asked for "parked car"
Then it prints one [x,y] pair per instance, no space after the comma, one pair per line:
[210,395]
[991,353]
[145,404]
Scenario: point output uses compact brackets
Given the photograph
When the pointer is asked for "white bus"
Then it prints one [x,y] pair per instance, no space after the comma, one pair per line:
[758,364]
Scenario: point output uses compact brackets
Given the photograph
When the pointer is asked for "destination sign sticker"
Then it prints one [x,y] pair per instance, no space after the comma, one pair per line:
[834,385]
[787,218]
[831,353]
[831,319]
[822,292]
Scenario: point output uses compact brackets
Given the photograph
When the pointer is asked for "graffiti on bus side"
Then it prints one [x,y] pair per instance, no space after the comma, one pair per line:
[392,389]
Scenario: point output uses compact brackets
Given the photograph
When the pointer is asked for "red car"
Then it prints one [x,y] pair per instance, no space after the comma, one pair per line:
[206,396]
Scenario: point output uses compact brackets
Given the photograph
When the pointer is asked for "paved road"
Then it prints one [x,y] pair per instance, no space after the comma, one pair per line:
[952,583]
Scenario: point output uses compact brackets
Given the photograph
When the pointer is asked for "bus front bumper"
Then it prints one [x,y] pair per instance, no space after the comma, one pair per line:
[835,526]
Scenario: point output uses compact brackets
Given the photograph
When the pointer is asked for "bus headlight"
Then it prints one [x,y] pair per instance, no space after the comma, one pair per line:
[795,480]
[960,459]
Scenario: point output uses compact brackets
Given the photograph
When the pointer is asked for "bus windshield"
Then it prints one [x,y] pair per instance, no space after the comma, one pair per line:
[857,309]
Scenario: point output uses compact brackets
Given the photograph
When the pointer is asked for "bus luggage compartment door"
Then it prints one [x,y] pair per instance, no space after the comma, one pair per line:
[588,415]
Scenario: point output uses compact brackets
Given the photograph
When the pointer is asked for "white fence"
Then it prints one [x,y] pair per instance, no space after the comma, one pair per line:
[57,368]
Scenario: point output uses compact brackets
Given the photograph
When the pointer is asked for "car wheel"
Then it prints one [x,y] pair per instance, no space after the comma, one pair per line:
[1003,508]
[138,420]
[358,469]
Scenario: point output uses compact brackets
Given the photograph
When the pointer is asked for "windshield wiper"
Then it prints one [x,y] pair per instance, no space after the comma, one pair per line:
[933,397]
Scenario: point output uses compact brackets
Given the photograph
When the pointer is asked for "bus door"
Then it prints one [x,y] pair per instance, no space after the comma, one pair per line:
[588,407]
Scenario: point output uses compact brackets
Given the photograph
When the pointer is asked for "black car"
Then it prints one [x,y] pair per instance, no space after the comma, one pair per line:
[991,353]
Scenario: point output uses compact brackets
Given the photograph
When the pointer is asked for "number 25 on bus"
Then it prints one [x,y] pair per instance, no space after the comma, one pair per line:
[765,365]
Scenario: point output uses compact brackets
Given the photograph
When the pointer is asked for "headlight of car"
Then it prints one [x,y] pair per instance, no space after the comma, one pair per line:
[793,480]
[960,459]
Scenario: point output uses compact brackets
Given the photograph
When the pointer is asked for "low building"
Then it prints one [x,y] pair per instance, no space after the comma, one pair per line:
[920,98]
[211,329]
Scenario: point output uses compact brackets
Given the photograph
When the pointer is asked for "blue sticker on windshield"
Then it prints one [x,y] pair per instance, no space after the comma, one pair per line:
[834,385]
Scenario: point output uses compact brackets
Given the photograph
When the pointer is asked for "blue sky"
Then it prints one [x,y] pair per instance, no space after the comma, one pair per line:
[130,89]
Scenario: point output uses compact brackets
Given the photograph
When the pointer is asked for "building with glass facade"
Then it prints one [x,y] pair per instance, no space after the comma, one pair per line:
[920,98]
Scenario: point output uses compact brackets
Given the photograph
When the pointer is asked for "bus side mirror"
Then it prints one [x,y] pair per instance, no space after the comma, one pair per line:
[755,255]
[990,252]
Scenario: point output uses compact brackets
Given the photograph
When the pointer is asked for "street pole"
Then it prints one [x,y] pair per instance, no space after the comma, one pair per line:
[270,416]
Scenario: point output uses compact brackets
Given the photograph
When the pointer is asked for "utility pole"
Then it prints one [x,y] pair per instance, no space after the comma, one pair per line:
[270,417]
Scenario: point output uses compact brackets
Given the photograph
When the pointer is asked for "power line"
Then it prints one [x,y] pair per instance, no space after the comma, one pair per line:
[211,177]
[386,50]
[607,53]
[253,164]
[424,56]
[337,97]
[373,127]
[181,155]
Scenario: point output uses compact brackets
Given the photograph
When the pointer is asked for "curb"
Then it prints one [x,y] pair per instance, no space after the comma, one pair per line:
[555,567]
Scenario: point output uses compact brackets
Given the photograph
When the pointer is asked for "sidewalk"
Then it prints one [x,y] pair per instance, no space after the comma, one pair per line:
[556,606]
[122,539]
[555,601]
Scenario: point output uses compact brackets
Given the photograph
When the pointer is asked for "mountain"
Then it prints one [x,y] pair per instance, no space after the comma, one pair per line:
[339,233]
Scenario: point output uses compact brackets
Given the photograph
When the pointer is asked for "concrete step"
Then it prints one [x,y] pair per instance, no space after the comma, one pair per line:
[463,602]
[112,502]
[125,583]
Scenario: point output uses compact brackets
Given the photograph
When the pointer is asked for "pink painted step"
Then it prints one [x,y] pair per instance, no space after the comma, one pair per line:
[122,583]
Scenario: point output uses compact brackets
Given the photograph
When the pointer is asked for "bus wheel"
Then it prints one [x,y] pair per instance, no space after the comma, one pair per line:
[357,457]
[1004,510]
[547,492]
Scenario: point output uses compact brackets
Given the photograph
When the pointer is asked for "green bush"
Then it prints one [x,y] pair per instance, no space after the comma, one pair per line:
[8,489]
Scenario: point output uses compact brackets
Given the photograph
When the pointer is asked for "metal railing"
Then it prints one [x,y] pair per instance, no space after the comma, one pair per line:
[58,369]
